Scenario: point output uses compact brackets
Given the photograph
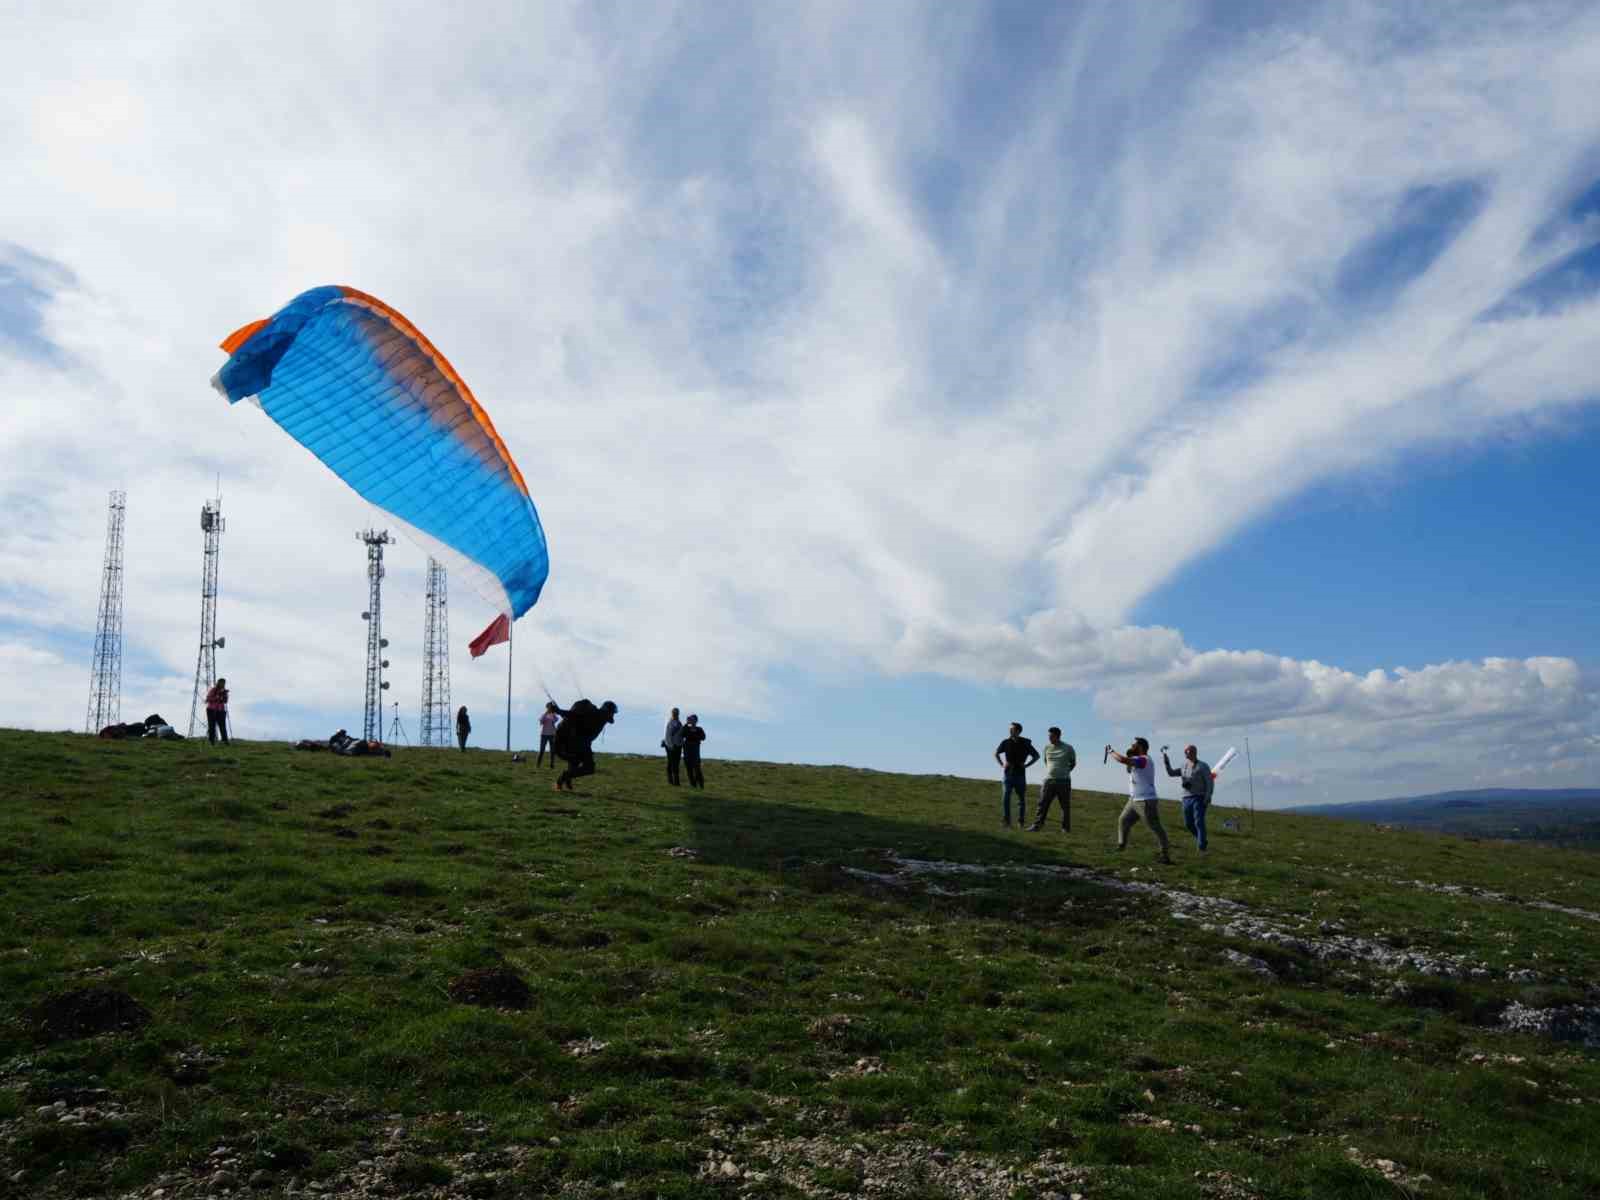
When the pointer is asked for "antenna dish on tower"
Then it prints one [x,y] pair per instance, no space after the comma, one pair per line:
[372,706]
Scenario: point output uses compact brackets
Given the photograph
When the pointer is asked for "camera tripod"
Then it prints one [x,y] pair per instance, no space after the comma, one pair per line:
[396,729]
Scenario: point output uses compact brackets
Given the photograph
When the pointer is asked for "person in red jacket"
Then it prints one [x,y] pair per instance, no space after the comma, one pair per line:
[217,712]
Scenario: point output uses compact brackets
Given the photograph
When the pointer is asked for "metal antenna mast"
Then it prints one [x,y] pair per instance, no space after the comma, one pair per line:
[205,667]
[436,660]
[372,714]
[105,671]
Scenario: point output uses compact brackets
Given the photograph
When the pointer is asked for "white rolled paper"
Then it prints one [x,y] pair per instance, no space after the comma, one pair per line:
[1224,761]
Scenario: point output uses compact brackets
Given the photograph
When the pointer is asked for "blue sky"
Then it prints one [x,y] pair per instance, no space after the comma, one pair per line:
[883,373]
[1473,554]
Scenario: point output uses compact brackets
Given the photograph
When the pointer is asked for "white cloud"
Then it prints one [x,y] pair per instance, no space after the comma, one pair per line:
[784,402]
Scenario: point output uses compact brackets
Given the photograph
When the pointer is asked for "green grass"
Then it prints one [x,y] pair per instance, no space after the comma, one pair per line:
[292,923]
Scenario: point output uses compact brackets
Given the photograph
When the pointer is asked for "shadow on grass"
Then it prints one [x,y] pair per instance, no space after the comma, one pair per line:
[824,850]
[762,835]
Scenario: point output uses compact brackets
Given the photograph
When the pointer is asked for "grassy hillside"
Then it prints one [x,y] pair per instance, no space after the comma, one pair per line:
[264,972]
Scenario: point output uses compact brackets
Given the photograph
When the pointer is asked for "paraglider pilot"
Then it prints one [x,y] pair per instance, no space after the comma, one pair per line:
[580,725]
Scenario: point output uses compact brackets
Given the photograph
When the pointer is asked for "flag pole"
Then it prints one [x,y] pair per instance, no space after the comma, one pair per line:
[508,687]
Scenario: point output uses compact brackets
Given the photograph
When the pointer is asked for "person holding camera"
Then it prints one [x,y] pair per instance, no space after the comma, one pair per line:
[1142,799]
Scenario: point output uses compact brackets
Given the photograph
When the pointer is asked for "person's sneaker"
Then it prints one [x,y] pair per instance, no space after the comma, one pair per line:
[1034,828]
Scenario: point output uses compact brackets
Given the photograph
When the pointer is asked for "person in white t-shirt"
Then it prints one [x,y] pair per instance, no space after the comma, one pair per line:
[1142,799]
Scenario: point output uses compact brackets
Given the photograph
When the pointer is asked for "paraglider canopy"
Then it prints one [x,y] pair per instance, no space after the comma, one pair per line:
[360,387]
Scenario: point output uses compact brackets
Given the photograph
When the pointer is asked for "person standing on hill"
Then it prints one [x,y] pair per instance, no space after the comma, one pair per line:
[217,712]
[1197,785]
[463,726]
[693,735]
[1142,800]
[548,720]
[1015,755]
[575,736]
[672,743]
[1059,759]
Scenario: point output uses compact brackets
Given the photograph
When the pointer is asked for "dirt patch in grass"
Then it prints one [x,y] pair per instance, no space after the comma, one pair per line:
[85,1012]
[491,987]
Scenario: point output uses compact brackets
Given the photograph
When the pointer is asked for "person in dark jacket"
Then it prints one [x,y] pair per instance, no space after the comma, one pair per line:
[1015,755]
[693,734]
[575,736]
[463,726]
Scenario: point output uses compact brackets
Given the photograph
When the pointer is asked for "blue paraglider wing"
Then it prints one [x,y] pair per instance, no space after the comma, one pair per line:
[359,386]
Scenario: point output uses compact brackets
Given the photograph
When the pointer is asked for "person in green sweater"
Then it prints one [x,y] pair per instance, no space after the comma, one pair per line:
[1059,759]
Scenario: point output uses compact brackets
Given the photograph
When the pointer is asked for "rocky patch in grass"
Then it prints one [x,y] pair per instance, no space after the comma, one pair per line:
[78,1123]
[1246,962]
[828,1166]
[85,1012]
[192,1065]
[390,1169]
[835,1027]
[1562,1023]
[1227,918]
[1392,1171]
[491,987]
[869,1065]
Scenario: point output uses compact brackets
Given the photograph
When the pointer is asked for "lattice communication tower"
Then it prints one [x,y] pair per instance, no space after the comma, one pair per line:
[372,714]
[205,667]
[436,723]
[105,672]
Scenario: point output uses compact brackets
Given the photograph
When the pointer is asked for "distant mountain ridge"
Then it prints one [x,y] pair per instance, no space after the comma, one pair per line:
[1553,797]
[1569,816]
